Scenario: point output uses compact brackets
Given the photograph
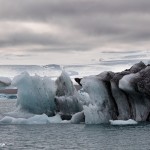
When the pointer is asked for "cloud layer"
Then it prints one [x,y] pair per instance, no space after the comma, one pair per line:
[74,25]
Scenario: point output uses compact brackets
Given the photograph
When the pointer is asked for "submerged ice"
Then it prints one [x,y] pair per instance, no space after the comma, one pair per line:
[118,98]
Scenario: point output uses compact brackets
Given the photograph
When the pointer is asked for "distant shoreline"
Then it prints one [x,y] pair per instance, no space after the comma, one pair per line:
[8,91]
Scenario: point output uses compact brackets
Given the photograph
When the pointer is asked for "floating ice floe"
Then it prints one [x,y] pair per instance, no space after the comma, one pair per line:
[4,81]
[37,119]
[122,122]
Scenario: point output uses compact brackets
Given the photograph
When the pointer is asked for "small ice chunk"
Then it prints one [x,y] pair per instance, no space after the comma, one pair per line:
[4,81]
[2,144]
[122,122]
[78,117]
[65,121]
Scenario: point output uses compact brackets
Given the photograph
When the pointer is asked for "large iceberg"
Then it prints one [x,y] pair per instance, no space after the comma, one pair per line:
[123,95]
[108,96]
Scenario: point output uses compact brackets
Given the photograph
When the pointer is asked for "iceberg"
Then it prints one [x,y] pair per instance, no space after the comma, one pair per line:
[35,94]
[122,95]
[4,81]
[118,98]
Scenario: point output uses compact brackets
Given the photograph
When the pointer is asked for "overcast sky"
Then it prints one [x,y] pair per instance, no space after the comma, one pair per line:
[71,31]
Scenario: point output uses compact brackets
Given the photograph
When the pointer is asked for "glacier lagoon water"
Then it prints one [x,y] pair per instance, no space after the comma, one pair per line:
[72,136]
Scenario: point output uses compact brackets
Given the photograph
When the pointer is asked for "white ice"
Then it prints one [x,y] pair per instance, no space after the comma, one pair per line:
[37,119]
[122,122]
[5,81]
[93,115]
[96,112]
[125,82]
[95,89]
[83,97]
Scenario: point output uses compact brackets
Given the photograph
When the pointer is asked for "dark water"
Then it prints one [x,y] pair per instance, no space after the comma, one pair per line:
[72,136]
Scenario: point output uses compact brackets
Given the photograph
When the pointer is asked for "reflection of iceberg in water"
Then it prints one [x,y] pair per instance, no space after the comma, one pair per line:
[100,98]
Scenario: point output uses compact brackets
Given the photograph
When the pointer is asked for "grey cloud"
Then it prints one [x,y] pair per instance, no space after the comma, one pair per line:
[29,38]
[48,42]
[100,22]
[58,48]
[16,55]
[124,28]
[43,10]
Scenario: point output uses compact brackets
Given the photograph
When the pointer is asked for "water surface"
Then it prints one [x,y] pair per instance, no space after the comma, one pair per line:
[75,136]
